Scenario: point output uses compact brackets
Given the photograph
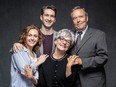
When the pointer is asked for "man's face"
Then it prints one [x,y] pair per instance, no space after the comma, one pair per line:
[48,18]
[79,19]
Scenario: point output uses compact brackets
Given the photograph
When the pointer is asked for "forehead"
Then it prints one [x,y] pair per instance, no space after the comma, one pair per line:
[78,12]
[67,38]
[33,31]
[49,11]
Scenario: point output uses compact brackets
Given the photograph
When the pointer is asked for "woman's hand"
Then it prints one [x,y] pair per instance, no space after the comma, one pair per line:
[72,60]
[29,74]
[42,59]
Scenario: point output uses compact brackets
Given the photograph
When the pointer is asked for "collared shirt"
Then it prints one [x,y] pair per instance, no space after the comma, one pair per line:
[18,61]
[83,33]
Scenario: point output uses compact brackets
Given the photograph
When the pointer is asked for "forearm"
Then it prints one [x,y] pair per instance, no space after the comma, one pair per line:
[68,70]
[34,81]
[94,62]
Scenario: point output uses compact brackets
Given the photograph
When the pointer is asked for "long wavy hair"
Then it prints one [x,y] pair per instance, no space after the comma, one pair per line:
[23,35]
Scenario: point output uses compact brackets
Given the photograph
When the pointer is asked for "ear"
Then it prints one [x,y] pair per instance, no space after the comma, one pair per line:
[87,18]
[54,20]
[40,17]
[55,41]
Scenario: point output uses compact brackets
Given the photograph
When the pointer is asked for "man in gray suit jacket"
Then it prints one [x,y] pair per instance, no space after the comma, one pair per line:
[91,52]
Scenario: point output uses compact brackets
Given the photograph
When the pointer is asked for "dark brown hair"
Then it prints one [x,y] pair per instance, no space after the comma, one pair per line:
[52,7]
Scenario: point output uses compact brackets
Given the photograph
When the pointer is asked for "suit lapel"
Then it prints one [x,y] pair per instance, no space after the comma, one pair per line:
[85,39]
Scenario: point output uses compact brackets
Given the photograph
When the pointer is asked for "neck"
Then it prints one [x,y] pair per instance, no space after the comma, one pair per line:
[46,31]
[58,55]
[30,51]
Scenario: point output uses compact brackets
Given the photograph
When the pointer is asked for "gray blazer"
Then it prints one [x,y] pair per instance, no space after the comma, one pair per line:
[93,52]
[53,47]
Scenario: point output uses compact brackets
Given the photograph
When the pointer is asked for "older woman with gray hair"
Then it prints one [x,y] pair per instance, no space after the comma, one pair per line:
[56,70]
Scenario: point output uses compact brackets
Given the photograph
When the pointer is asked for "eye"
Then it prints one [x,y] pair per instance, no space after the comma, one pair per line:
[29,35]
[35,35]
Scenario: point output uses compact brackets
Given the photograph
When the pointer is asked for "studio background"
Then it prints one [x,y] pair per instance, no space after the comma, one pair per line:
[15,14]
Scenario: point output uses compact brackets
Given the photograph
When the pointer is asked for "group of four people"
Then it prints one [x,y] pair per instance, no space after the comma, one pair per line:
[46,58]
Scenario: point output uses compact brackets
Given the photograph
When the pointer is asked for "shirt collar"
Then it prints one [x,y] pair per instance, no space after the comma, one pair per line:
[84,30]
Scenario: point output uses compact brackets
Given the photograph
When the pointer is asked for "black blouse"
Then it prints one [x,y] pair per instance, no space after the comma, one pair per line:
[52,73]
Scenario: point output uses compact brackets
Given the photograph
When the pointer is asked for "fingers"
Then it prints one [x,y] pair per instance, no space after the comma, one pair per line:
[42,59]
[73,59]
[17,47]
[44,55]
[23,73]
[27,68]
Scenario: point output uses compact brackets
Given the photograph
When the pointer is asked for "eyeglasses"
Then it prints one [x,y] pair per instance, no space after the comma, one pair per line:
[62,39]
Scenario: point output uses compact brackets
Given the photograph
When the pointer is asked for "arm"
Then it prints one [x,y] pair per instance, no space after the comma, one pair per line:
[19,61]
[17,47]
[41,59]
[28,69]
[96,55]
[71,71]
[71,61]
[29,74]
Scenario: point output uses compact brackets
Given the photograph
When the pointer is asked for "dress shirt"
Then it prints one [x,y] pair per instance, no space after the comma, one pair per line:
[82,35]
[18,61]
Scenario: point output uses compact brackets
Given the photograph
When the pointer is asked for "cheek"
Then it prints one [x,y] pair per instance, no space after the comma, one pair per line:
[68,47]
[53,20]
[27,39]
[74,21]
[36,39]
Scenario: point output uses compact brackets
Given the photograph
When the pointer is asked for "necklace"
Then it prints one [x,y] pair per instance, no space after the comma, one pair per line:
[59,58]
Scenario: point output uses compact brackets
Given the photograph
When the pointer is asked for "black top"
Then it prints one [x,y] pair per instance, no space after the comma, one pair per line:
[53,73]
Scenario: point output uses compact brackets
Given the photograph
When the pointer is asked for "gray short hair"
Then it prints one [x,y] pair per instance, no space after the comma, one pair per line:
[65,33]
[78,7]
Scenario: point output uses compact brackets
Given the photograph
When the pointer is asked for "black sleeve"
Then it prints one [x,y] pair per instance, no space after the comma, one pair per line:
[71,80]
[41,80]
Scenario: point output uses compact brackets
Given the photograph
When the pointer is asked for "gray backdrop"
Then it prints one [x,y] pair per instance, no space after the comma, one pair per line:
[15,14]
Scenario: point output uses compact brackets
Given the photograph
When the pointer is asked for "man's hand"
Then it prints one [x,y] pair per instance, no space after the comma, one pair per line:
[17,47]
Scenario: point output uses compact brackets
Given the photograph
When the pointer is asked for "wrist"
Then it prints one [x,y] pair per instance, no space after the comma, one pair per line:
[68,65]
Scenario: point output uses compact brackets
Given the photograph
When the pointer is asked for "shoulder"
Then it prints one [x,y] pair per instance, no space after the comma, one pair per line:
[95,31]
[54,31]
[23,51]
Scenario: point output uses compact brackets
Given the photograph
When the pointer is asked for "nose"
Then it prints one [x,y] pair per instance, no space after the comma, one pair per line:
[49,18]
[78,20]
[32,37]
[64,41]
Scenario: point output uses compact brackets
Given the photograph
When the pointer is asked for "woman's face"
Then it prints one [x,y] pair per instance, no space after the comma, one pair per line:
[32,38]
[63,44]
